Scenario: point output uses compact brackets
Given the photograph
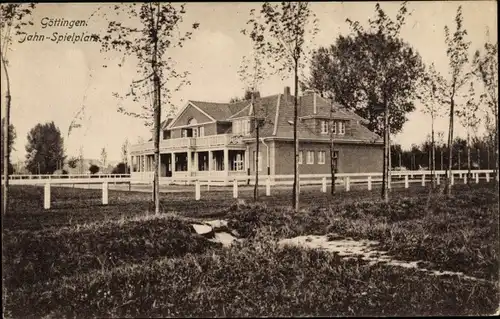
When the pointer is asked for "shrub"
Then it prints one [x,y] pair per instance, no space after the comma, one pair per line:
[93,169]
[120,168]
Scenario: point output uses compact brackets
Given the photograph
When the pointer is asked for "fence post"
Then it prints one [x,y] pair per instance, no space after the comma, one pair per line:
[235,188]
[465,178]
[105,193]
[369,183]
[197,194]
[423,179]
[268,186]
[487,177]
[323,185]
[477,178]
[406,181]
[46,196]
[347,184]
[438,179]
[389,179]
[208,185]
[452,178]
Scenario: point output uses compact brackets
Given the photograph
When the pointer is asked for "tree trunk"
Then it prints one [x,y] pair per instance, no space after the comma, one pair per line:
[496,141]
[385,177]
[296,185]
[333,165]
[6,139]
[256,125]
[450,148]
[157,119]
[468,158]
[433,153]
[384,164]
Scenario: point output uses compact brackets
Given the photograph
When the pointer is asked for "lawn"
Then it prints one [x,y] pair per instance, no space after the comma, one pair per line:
[84,259]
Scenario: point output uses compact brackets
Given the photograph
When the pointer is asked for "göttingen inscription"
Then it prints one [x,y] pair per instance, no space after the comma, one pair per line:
[49,23]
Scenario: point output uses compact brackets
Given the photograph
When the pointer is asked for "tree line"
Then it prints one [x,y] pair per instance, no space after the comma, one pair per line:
[479,155]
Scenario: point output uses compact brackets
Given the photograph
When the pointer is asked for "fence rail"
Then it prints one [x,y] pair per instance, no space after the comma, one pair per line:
[395,176]
[345,179]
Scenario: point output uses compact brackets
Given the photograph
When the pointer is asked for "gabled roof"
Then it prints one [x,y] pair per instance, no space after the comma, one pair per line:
[165,123]
[220,111]
[278,112]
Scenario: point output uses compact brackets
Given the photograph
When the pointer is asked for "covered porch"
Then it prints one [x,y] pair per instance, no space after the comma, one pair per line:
[193,163]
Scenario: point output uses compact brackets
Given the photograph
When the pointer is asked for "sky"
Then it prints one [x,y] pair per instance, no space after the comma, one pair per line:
[51,81]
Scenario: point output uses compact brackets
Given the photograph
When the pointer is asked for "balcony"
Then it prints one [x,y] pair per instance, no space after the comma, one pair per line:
[211,141]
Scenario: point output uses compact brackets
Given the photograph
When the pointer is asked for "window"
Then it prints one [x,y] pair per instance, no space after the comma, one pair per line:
[184,132]
[300,157]
[333,127]
[324,126]
[246,127]
[195,132]
[238,162]
[166,134]
[236,127]
[321,157]
[310,157]
[241,127]
[341,128]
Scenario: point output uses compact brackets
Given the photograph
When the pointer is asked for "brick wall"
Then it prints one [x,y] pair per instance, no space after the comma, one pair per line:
[263,151]
[353,158]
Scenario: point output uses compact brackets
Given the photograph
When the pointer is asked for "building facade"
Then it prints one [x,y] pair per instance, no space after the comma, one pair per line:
[209,139]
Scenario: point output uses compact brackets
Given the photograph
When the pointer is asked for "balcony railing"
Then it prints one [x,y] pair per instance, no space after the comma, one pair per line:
[189,142]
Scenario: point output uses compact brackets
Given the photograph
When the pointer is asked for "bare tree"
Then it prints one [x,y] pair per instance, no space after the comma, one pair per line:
[13,18]
[485,64]
[280,33]
[81,159]
[125,152]
[147,32]
[467,115]
[104,157]
[457,53]
[252,72]
[432,98]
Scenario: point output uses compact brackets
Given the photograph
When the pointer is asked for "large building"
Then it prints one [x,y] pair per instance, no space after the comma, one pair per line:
[218,139]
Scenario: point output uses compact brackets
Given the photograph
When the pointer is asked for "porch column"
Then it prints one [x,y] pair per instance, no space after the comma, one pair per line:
[189,160]
[173,161]
[247,160]
[210,161]
[195,162]
[226,162]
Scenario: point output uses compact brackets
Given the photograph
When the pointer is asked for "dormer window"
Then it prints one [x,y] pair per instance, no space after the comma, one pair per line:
[192,130]
[241,127]
[341,125]
[324,126]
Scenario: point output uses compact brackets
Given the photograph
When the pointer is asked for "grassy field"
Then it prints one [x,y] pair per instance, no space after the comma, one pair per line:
[84,259]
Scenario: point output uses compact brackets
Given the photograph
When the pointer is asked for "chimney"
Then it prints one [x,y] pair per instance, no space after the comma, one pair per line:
[287,92]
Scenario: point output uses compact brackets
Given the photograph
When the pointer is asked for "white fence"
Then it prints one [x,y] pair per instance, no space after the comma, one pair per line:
[345,179]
